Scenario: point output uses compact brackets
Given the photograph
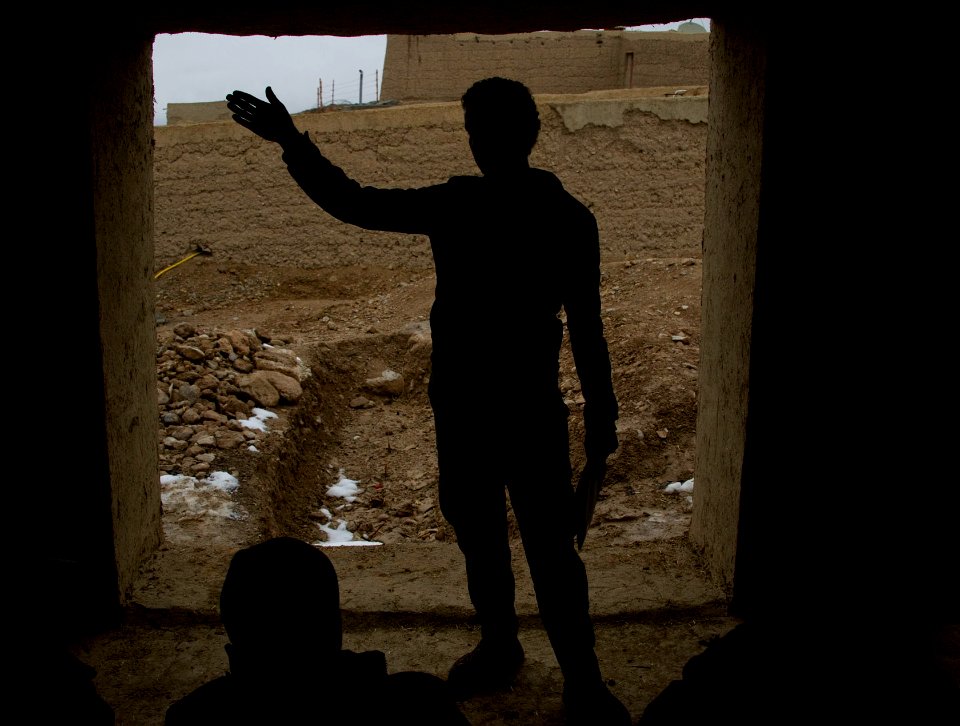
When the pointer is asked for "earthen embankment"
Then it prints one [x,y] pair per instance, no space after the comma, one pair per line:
[636,158]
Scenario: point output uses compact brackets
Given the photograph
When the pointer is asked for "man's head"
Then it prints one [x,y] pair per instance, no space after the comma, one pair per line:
[502,121]
[280,598]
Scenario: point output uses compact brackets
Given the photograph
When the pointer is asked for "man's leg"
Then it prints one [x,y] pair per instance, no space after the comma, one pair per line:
[477,512]
[541,494]
[473,500]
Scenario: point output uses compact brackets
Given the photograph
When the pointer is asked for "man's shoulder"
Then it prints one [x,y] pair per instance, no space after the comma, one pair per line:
[550,182]
[564,203]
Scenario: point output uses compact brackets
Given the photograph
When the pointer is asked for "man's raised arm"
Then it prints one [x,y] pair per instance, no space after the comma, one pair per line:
[393,210]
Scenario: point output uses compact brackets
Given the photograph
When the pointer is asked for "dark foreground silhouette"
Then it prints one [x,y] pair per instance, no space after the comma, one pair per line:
[514,252]
[280,606]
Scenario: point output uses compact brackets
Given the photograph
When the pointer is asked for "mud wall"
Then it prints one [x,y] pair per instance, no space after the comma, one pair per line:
[636,158]
[200,112]
[442,67]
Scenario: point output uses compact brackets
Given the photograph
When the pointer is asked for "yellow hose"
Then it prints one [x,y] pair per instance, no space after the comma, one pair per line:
[188,257]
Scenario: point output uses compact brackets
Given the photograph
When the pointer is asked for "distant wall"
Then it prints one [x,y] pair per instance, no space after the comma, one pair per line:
[442,67]
[635,158]
[196,113]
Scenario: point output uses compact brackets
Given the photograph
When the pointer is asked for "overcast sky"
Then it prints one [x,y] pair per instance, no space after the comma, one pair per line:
[194,67]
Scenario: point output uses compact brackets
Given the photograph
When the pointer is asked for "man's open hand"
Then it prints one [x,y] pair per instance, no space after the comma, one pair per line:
[268,119]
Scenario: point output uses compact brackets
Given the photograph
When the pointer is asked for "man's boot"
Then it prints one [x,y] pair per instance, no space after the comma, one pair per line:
[491,666]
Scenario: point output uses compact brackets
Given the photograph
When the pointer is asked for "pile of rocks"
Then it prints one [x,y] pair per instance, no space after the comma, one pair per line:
[210,387]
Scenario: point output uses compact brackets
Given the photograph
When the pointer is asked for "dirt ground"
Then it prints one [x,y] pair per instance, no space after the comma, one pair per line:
[653,604]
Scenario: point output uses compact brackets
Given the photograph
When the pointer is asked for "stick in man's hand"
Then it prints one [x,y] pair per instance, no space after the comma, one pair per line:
[585,498]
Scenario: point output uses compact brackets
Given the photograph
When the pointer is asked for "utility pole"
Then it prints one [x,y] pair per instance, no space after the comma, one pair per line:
[320,94]
[333,84]
[361,86]
[376,84]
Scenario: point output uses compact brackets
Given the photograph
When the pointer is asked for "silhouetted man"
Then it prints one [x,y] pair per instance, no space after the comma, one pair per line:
[280,606]
[512,249]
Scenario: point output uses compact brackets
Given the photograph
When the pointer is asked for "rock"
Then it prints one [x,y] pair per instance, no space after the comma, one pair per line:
[209,415]
[233,405]
[243,342]
[258,386]
[163,398]
[288,387]
[185,330]
[266,364]
[361,402]
[191,352]
[420,341]
[170,418]
[229,439]
[208,382]
[278,355]
[172,443]
[191,416]
[206,440]
[187,392]
[225,346]
[243,365]
[388,383]
[182,433]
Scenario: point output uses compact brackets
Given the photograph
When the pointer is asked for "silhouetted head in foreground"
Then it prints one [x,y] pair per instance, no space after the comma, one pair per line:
[280,604]
[502,121]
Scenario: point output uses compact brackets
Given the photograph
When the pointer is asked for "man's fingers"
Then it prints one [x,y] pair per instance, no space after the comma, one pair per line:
[272,98]
[243,122]
[243,97]
[268,119]
[242,107]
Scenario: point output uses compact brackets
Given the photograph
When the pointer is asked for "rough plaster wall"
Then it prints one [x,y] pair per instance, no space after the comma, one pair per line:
[200,112]
[220,186]
[442,67]
[729,266]
[663,59]
[121,126]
